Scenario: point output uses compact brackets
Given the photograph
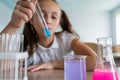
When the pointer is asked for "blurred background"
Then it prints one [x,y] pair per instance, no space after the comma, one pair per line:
[90,18]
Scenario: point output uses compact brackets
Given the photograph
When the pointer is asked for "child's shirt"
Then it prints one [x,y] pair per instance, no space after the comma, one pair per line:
[61,46]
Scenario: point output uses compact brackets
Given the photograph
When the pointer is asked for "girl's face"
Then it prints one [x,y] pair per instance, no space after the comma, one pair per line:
[52,14]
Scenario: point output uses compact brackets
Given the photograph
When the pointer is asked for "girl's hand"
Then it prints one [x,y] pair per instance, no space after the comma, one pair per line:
[23,12]
[38,67]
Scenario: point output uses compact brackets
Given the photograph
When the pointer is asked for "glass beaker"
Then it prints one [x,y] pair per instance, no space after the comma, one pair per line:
[75,67]
[105,68]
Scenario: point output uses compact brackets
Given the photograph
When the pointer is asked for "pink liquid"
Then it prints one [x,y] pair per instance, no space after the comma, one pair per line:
[105,74]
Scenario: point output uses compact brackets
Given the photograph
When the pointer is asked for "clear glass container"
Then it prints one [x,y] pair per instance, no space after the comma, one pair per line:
[105,68]
[75,67]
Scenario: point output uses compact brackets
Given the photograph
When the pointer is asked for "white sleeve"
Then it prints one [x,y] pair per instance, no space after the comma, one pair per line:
[67,38]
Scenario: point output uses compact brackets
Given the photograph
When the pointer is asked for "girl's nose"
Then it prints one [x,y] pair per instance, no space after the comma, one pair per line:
[48,20]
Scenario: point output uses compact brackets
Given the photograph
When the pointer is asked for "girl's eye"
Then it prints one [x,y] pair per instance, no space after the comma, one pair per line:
[54,17]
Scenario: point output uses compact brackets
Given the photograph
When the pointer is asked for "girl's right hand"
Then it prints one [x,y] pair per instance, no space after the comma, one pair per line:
[23,12]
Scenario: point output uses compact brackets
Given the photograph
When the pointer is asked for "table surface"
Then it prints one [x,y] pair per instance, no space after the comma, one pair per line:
[52,75]
[59,74]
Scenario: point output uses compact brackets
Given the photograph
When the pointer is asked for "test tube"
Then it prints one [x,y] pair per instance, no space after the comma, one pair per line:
[41,18]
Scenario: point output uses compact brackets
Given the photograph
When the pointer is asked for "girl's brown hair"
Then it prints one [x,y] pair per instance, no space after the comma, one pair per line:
[31,36]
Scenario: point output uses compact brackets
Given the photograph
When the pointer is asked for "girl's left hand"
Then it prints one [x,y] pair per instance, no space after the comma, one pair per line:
[38,67]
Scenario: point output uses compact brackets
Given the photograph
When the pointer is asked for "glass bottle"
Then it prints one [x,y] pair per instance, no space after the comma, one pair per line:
[105,68]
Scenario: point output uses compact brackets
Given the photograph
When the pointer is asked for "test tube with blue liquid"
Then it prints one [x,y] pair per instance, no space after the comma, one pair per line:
[39,14]
[41,18]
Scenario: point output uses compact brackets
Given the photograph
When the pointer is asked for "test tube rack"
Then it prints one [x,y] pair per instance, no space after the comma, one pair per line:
[11,66]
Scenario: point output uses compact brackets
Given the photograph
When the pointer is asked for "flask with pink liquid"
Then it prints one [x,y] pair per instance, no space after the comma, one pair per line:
[105,68]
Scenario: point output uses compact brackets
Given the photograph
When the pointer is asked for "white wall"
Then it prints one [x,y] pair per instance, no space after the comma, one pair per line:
[91,25]
[5,15]
[6,9]
[114,12]
[89,21]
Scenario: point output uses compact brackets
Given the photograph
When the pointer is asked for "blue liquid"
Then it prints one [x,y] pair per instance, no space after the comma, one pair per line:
[47,32]
[75,70]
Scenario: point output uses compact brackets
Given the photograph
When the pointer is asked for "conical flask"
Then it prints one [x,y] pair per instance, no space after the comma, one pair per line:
[105,68]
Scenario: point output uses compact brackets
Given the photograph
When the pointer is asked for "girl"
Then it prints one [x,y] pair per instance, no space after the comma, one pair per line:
[47,52]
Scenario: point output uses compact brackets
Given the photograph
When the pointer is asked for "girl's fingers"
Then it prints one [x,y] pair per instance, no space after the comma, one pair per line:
[36,69]
[26,7]
[42,66]
[21,15]
[31,67]
[26,11]
[28,4]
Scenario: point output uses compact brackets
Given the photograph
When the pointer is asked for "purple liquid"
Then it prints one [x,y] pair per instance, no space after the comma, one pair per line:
[75,70]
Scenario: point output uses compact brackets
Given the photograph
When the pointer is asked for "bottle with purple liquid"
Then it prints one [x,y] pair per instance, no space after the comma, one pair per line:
[75,67]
